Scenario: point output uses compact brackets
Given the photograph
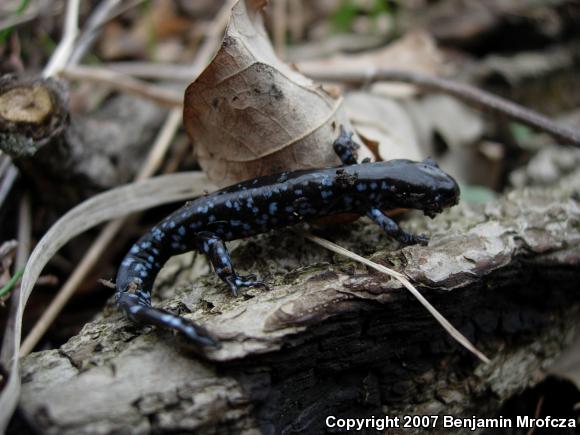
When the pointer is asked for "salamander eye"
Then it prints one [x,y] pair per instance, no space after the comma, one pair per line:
[429,161]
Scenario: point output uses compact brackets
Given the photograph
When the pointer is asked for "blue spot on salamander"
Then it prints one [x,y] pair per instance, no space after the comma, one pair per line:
[273,208]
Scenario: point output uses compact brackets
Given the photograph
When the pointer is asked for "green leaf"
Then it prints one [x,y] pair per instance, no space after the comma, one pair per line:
[10,284]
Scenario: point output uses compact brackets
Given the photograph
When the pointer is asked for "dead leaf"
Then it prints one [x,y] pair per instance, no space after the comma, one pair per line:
[448,130]
[250,114]
[457,124]
[415,51]
[383,125]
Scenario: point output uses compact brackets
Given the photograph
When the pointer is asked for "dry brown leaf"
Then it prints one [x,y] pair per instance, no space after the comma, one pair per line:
[383,125]
[415,51]
[250,114]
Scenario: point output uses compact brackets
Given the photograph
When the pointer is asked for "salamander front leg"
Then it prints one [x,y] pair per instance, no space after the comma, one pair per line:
[345,147]
[390,227]
[219,257]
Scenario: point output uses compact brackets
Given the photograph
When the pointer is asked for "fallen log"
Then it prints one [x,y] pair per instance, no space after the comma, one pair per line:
[331,338]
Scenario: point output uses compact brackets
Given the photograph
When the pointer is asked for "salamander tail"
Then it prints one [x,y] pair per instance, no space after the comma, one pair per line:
[139,309]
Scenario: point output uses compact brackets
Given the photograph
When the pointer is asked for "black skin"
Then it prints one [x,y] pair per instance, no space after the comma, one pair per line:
[265,203]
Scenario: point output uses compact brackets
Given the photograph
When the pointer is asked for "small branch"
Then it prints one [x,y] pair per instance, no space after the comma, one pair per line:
[170,72]
[162,96]
[9,175]
[22,254]
[6,248]
[211,43]
[458,336]
[464,92]
[103,13]
[62,53]
[24,232]
[280,24]
[89,260]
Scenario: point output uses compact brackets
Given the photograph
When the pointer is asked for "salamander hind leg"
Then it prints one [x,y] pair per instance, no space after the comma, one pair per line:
[390,227]
[219,257]
[139,309]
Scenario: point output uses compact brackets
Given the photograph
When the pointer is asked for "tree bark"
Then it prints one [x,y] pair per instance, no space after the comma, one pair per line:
[331,337]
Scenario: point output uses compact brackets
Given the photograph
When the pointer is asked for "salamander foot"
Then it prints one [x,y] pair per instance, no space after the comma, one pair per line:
[234,282]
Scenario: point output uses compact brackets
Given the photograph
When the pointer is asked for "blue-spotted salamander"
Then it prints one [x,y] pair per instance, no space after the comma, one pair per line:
[265,203]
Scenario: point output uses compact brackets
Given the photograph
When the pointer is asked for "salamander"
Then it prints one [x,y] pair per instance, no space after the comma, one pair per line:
[266,203]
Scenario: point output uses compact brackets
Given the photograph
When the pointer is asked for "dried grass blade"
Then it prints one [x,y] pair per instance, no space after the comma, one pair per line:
[109,205]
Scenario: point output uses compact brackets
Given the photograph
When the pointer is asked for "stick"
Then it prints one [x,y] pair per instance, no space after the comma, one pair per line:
[162,96]
[104,12]
[464,92]
[62,53]
[22,254]
[280,18]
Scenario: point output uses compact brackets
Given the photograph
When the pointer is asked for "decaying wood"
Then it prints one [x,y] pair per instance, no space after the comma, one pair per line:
[70,158]
[331,337]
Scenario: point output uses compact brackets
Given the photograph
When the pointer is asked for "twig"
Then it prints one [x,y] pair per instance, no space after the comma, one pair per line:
[24,232]
[214,35]
[8,178]
[90,30]
[162,96]
[171,72]
[57,304]
[62,53]
[103,13]
[6,248]
[460,338]
[22,254]
[467,93]
[280,19]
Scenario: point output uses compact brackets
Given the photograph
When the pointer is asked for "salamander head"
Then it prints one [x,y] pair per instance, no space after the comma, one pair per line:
[419,185]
